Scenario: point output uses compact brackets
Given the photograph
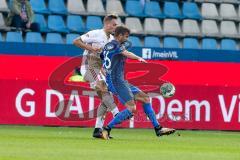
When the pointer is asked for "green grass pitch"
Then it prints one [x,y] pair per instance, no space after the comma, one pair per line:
[63,143]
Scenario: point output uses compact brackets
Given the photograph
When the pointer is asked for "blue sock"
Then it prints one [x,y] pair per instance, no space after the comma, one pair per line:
[150,113]
[121,116]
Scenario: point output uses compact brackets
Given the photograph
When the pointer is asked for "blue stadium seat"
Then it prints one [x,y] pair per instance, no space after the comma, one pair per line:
[152,9]
[34,37]
[54,38]
[1,39]
[56,23]
[10,2]
[209,43]
[151,41]
[75,24]
[171,42]
[172,10]
[93,22]
[39,18]
[39,6]
[190,43]
[70,37]
[134,8]
[191,11]
[14,37]
[135,41]
[228,44]
[57,7]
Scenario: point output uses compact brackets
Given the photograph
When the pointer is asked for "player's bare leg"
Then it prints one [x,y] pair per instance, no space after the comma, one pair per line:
[125,114]
[101,111]
[106,105]
[159,130]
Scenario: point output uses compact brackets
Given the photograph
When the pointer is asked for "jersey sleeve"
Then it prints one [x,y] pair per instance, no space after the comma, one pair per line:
[113,47]
[89,37]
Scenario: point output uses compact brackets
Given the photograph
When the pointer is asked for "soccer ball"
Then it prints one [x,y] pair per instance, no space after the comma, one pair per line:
[167,90]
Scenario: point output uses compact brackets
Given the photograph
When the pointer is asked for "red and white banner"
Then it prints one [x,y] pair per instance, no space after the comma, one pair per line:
[207,95]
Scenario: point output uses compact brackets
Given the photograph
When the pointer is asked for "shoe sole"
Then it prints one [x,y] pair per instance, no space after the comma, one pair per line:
[168,132]
[105,135]
[97,135]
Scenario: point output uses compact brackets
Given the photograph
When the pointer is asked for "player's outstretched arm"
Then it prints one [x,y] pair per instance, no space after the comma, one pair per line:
[133,56]
[79,43]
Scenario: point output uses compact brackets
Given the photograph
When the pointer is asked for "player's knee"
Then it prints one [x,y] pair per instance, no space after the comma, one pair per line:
[131,106]
[108,100]
[132,109]
[146,99]
[101,86]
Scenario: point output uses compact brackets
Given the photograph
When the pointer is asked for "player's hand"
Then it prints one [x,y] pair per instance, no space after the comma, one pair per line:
[142,60]
[96,49]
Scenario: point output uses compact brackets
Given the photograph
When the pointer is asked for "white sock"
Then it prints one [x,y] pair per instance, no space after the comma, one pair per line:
[99,122]
[115,111]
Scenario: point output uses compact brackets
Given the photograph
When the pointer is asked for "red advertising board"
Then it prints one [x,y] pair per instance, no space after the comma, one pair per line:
[207,94]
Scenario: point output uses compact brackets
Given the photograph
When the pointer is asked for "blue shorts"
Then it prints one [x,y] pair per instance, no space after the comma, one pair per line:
[124,91]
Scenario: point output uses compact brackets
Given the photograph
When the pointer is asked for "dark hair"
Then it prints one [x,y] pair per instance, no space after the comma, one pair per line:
[121,30]
[109,17]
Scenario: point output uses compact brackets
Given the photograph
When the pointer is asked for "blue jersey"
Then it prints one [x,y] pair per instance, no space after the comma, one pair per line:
[113,63]
[114,60]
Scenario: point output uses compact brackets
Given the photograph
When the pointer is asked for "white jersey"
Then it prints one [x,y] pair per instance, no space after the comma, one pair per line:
[97,37]
[91,62]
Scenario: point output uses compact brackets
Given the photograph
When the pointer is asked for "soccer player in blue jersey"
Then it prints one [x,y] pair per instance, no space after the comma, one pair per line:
[114,55]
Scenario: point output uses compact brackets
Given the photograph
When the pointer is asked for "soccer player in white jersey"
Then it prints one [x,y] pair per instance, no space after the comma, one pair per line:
[91,68]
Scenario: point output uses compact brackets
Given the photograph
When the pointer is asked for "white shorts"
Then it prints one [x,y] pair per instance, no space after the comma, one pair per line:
[92,75]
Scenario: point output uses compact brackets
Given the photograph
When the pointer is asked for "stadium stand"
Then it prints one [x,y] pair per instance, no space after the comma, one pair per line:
[228,44]
[228,12]
[57,7]
[39,6]
[228,29]
[172,27]
[209,43]
[70,37]
[3,6]
[34,37]
[54,38]
[1,39]
[39,18]
[189,21]
[95,7]
[190,28]
[93,22]
[14,37]
[190,10]
[190,43]
[115,6]
[209,11]
[152,26]
[75,24]
[56,24]
[152,9]
[134,8]
[210,28]
[172,10]
[134,24]
[171,42]
[2,23]
[76,7]
[151,41]
[135,41]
